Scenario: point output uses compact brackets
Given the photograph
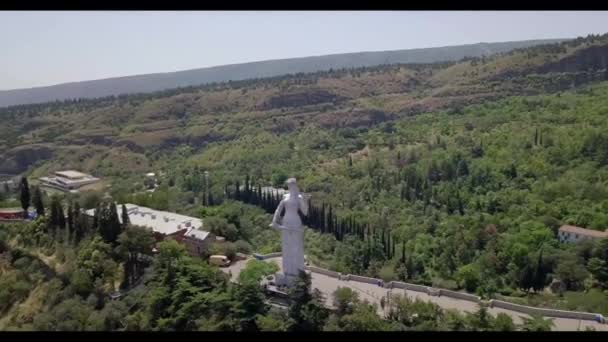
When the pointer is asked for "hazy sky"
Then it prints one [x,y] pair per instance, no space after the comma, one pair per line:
[45,48]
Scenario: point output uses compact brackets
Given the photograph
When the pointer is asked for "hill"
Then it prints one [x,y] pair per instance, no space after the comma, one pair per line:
[454,175]
[161,81]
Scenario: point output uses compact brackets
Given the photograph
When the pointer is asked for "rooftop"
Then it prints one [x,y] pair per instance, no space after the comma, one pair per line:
[159,221]
[583,231]
[197,234]
[11,210]
[71,174]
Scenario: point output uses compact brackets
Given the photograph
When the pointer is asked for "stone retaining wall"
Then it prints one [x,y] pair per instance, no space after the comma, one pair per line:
[267,256]
[448,293]
[546,312]
[367,280]
[328,273]
[408,286]
[459,295]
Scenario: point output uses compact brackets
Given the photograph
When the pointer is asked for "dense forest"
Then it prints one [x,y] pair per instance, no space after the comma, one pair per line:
[454,175]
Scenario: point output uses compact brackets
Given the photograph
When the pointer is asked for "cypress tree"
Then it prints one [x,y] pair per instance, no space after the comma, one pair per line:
[526,280]
[125,217]
[330,227]
[60,215]
[114,223]
[37,201]
[246,190]
[79,224]
[25,196]
[540,275]
[54,219]
[237,191]
[70,219]
[460,203]
[259,193]
[96,217]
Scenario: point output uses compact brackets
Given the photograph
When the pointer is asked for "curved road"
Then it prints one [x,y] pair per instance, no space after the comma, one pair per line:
[373,294]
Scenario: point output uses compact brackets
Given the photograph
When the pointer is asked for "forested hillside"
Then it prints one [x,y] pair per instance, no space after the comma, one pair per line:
[234,72]
[455,175]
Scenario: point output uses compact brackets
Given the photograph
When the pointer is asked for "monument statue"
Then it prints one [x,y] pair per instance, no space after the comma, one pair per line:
[292,233]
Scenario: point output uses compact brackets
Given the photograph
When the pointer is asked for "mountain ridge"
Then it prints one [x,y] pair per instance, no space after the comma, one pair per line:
[145,83]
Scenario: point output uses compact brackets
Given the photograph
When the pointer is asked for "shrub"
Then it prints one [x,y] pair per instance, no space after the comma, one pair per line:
[243,247]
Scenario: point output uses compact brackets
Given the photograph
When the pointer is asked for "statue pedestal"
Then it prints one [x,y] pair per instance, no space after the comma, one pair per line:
[286,280]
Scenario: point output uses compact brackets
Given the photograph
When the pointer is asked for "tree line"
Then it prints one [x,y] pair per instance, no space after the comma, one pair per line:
[321,218]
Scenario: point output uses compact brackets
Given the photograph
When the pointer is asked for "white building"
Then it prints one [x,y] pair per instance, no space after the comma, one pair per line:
[166,224]
[68,181]
[571,234]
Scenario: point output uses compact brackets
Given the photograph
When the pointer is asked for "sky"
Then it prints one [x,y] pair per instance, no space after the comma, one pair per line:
[46,48]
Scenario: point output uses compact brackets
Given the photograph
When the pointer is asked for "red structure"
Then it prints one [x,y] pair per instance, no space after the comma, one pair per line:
[178,236]
[11,214]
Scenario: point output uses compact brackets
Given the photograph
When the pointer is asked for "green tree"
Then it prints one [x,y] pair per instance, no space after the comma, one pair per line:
[82,283]
[25,195]
[571,271]
[250,303]
[504,322]
[540,273]
[481,320]
[109,224]
[37,201]
[469,277]
[364,317]
[221,227]
[306,310]
[537,323]
[599,269]
[135,247]
[345,300]
[60,215]
[255,270]
[125,217]
[70,220]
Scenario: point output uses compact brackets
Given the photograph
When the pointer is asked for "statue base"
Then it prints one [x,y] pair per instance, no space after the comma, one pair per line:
[286,280]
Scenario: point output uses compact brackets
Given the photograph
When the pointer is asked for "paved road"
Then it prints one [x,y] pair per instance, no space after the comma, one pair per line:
[374,293]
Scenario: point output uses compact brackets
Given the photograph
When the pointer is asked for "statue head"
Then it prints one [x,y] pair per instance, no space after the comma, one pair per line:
[292,186]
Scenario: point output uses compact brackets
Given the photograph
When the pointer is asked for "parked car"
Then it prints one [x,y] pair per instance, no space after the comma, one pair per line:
[219,260]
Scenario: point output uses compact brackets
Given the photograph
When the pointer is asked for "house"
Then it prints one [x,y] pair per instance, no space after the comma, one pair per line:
[68,181]
[567,233]
[197,241]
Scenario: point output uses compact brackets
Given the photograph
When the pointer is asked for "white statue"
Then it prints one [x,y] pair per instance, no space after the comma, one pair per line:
[292,233]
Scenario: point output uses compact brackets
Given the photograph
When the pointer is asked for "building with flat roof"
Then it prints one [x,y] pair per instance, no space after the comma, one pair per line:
[68,181]
[567,233]
[163,224]
[9,183]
